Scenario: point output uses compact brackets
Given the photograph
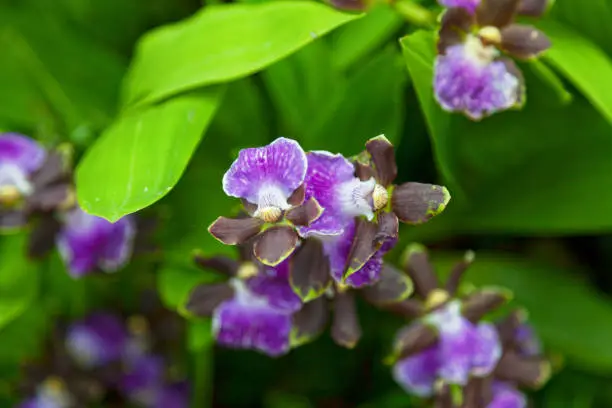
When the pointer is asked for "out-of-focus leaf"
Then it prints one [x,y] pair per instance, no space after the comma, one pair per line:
[354,41]
[372,104]
[303,87]
[566,312]
[174,283]
[44,82]
[223,43]
[504,173]
[200,335]
[590,18]
[18,279]
[143,154]
[279,399]
[585,64]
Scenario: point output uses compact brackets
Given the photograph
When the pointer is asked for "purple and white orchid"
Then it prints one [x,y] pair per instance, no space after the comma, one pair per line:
[470,74]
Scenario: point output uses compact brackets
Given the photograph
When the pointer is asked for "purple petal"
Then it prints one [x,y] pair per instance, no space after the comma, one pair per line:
[87,242]
[267,175]
[456,342]
[21,151]
[173,396]
[468,79]
[331,181]
[30,403]
[97,340]
[368,275]
[337,249]
[277,292]
[528,343]
[469,5]
[506,396]
[487,351]
[145,373]
[417,374]
[249,322]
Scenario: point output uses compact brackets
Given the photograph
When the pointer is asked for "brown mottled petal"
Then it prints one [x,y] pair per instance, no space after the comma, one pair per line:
[388,227]
[306,213]
[309,322]
[350,5]
[478,304]
[443,398]
[496,13]
[364,246]
[524,41]
[204,299]
[454,25]
[533,8]
[233,231]
[475,392]
[275,244]
[454,280]
[298,196]
[414,339]
[409,308]
[52,170]
[42,237]
[506,328]
[527,372]
[363,171]
[514,70]
[249,207]
[12,219]
[48,198]
[416,203]
[419,268]
[383,156]
[222,264]
[309,273]
[346,330]
[392,287]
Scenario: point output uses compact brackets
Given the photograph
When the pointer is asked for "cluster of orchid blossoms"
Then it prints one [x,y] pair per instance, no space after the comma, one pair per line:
[312,235]
[110,360]
[36,190]
[471,73]
[451,355]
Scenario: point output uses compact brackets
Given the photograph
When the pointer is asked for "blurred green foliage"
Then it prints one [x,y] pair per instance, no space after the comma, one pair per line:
[159,95]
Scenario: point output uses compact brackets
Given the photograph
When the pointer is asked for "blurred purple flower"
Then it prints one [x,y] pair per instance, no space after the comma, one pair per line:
[50,394]
[469,5]
[462,350]
[97,340]
[506,396]
[87,242]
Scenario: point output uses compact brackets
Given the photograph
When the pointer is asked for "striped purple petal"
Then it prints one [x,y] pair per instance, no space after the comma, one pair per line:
[268,175]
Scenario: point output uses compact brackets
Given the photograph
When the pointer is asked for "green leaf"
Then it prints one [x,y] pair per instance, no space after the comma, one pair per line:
[18,278]
[354,41]
[590,18]
[566,312]
[544,169]
[46,87]
[583,63]
[143,154]
[223,43]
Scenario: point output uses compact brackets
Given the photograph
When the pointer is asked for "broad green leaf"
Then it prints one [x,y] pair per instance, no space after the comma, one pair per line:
[143,154]
[354,41]
[223,43]
[583,63]
[544,169]
[590,18]
[18,278]
[567,313]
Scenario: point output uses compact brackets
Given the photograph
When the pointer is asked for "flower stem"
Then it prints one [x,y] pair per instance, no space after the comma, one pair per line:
[414,13]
